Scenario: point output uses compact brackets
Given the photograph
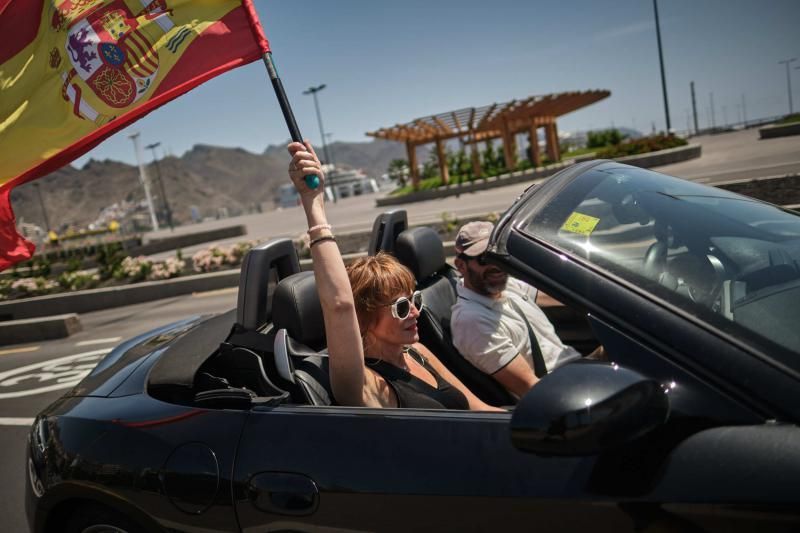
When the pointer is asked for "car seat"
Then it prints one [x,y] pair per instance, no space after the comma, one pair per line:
[299,353]
[421,250]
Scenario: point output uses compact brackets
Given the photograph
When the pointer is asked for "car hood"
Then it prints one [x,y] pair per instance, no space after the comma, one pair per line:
[123,360]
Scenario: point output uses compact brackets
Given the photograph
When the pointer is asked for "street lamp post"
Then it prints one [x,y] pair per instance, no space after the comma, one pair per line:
[143,178]
[41,203]
[167,209]
[661,62]
[788,80]
[313,92]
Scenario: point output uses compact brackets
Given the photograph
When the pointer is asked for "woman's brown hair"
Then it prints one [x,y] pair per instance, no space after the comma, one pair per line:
[375,280]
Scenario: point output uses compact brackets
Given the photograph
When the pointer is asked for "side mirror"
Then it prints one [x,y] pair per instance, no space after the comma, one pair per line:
[585,408]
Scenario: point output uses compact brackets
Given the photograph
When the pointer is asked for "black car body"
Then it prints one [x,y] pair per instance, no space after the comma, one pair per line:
[227,423]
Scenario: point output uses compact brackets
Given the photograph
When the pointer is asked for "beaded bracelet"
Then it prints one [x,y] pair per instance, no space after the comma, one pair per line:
[318,226]
[320,239]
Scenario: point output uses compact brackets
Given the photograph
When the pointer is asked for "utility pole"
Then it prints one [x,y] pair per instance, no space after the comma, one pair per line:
[143,178]
[313,92]
[788,81]
[167,209]
[713,116]
[694,109]
[744,111]
[661,62]
[41,203]
[328,137]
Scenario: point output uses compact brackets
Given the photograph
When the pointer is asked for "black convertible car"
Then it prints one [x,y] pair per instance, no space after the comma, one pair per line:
[227,423]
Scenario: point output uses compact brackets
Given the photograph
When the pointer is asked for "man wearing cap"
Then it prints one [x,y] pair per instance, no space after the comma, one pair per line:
[495,319]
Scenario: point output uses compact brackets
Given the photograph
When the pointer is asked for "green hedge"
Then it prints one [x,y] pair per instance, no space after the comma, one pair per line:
[642,145]
[789,119]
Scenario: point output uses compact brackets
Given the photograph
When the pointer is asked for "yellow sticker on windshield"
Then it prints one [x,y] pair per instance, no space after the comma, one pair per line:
[579,223]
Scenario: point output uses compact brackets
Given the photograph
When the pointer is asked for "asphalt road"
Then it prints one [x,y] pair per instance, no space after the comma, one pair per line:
[34,375]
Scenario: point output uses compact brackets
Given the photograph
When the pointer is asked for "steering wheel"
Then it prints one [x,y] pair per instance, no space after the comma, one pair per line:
[655,260]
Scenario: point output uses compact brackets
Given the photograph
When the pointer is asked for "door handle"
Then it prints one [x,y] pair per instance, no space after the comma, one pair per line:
[283,493]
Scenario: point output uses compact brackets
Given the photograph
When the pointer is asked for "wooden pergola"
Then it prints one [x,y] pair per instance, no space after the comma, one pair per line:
[472,125]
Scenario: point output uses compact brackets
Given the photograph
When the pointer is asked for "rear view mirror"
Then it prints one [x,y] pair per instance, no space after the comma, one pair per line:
[585,408]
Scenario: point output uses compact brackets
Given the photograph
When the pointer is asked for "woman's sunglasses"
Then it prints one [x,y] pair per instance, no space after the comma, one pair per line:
[401,308]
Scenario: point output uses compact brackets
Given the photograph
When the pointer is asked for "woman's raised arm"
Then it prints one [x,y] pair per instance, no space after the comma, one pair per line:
[345,349]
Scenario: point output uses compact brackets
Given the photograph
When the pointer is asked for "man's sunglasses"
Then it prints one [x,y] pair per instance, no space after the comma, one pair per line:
[401,308]
[481,258]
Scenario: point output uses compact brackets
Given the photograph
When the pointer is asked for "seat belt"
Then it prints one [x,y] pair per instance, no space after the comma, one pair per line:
[539,367]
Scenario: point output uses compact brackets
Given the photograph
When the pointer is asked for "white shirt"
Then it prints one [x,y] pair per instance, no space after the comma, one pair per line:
[490,333]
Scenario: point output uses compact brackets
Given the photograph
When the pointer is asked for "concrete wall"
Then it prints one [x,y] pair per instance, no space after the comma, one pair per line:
[662,157]
[94,299]
[782,130]
[189,239]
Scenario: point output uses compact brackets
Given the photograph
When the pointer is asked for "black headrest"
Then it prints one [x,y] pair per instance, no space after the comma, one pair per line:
[421,250]
[296,308]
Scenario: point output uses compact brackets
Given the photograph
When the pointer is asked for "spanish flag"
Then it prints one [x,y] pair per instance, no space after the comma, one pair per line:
[73,72]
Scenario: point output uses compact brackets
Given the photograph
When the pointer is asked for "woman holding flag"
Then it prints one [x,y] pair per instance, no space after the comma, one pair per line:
[370,311]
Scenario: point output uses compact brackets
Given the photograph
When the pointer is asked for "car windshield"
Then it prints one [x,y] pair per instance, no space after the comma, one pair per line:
[729,260]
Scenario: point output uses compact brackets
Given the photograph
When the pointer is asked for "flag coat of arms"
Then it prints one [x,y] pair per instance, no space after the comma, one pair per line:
[73,72]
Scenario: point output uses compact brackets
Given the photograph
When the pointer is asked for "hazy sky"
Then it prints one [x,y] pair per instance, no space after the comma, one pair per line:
[390,62]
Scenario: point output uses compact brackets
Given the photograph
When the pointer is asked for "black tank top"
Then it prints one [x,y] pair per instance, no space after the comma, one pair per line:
[415,393]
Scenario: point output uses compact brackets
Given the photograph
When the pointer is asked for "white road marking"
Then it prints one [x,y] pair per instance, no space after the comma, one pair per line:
[16,421]
[20,350]
[99,341]
[62,373]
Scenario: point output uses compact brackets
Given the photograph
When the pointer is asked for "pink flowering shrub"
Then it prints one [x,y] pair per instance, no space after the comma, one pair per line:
[219,257]
[79,279]
[133,269]
[26,287]
[171,268]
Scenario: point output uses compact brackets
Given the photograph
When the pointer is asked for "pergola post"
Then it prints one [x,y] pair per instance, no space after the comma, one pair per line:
[411,149]
[509,148]
[476,159]
[535,155]
[552,141]
[444,172]
[556,145]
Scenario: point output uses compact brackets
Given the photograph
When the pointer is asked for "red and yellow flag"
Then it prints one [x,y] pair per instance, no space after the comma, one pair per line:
[73,72]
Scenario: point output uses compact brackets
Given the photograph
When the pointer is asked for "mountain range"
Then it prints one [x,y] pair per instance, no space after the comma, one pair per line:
[206,178]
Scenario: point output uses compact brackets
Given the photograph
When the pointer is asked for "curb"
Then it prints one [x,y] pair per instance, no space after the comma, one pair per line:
[39,329]
[108,297]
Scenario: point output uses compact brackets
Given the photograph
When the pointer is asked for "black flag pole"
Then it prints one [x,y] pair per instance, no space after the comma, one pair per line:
[312,181]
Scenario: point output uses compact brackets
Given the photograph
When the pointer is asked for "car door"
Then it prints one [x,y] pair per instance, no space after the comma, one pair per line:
[359,469]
